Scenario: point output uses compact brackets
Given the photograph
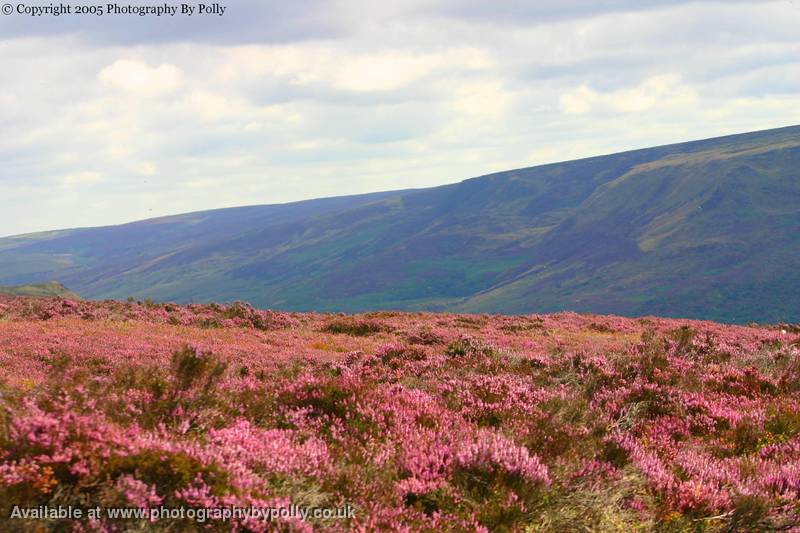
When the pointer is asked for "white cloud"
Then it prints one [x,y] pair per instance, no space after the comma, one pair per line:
[579,101]
[140,78]
[485,99]
[345,69]
[402,97]
[212,106]
[79,178]
[383,72]
[663,91]
[147,169]
[393,70]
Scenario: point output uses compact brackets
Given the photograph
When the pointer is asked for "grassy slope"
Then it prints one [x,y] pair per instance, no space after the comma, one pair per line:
[52,288]
[707,235]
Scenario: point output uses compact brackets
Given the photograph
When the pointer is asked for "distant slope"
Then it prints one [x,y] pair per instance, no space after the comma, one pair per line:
[52,288]
[705,229]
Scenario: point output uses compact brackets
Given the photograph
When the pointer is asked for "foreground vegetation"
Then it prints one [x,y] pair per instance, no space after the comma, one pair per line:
[420,422]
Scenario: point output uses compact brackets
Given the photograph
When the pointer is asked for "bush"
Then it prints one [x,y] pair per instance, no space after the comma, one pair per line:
[355,328]
[683,337]
[469,347]
[191,368]
[424,336]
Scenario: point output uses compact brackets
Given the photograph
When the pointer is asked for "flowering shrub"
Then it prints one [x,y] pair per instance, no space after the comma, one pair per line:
[421,422]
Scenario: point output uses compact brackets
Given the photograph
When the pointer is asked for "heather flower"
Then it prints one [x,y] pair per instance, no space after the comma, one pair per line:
[138,493]
[198,494]
[422,422]
[270,450]
[490,450]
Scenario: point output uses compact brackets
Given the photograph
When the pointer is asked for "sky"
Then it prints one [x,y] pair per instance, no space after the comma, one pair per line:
[111,118]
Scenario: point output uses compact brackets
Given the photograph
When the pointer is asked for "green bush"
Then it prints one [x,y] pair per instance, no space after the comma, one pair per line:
[191,368]
[355,328]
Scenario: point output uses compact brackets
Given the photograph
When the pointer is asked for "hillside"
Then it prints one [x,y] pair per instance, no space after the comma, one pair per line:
[704,229]
[52,288]
[395,421]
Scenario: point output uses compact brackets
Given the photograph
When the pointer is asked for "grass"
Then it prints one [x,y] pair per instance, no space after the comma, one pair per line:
[49,289]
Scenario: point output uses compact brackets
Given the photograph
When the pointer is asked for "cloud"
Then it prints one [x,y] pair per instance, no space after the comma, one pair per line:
[147,169]
[80,178]
[314,70]
[383,72]
[665,91]
[392,70]
[487,99]
[515,12]
[131,118]
[140,78]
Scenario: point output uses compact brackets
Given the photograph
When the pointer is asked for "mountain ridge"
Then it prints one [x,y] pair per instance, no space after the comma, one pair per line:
[677,230]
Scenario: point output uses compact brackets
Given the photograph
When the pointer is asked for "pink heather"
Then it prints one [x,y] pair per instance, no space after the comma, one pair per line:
[421,422]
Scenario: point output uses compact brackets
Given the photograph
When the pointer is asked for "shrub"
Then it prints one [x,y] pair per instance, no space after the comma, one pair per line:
[355,327]
[191,368]
[424,336]
[683,339]
[469,347]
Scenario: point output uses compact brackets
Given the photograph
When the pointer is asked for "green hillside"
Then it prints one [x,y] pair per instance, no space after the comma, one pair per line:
[705,229]
[52,288]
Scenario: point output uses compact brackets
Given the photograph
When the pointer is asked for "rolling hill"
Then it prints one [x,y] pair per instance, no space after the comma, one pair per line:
[705,229]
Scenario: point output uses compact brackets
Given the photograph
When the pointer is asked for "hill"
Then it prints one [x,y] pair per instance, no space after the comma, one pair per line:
[50,289]
[553,422]
[704,229]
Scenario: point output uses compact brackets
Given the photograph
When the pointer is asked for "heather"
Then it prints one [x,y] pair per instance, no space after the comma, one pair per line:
[421,422]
